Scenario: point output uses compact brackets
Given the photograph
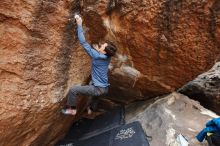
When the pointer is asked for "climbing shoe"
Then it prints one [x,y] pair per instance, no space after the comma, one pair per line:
[68,111]
[89,110]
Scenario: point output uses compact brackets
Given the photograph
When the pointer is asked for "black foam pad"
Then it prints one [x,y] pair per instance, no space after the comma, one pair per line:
[128,135]
[87,128]
[103,123]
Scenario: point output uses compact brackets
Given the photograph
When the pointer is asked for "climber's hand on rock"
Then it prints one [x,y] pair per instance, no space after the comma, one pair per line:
[78,20]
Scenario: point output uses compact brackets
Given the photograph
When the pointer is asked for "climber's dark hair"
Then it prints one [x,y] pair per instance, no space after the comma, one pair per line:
[110,49]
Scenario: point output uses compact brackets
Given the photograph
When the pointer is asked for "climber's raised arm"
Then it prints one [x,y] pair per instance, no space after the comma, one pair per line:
[93,53]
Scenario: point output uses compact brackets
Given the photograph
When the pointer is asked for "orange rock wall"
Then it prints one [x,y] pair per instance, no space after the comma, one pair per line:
[39,58]
[162,44]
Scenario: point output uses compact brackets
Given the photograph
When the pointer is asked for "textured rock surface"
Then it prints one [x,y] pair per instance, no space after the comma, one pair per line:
[206,88]
[37,50]
[170,116]
[162,45]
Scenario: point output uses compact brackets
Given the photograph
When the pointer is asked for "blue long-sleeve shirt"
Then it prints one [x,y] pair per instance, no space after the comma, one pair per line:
[100,62]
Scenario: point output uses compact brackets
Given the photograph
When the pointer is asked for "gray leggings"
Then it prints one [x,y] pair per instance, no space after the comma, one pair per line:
[89,90]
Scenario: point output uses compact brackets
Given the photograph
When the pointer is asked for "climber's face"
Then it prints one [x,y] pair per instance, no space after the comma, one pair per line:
[101,49]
